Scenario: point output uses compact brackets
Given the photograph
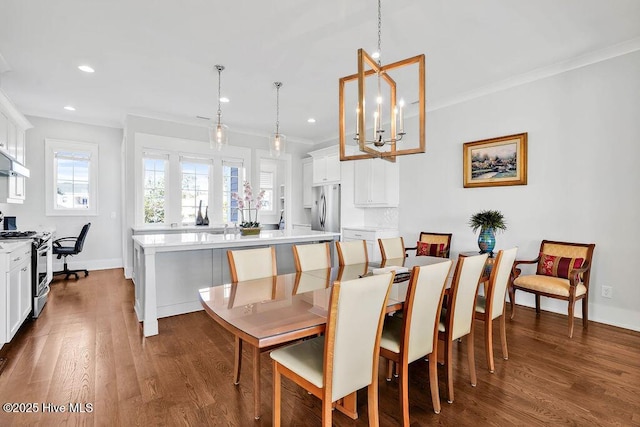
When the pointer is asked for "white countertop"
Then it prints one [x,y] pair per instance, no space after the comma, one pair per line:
[177,228]
[204,240]
[7,246]
[368,228]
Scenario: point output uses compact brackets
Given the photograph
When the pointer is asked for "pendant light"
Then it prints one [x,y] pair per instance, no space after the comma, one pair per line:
[277,140]
[218,131]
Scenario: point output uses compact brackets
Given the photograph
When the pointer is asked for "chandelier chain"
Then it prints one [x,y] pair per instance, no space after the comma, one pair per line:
[379,32]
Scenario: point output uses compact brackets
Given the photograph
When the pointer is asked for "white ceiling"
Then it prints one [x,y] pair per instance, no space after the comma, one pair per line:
[156,57]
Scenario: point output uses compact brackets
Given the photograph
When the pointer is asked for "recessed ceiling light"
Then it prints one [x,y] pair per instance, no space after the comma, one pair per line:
[311,120]
[86,69]
[70,108]
[224,99]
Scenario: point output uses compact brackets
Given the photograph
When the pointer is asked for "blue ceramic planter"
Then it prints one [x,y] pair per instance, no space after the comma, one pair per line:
[487,240]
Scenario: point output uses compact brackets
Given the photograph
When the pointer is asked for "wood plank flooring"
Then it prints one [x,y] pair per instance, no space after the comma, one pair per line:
[87,347]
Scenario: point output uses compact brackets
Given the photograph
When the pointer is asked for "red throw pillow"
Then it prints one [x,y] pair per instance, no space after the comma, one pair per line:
[556,266]
[429,249]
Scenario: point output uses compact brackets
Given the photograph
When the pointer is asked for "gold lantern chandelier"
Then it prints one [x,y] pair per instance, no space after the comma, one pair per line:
[277,140]
[218,131]
[385,136]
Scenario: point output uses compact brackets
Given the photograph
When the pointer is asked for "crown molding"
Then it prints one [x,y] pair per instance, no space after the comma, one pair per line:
[590,58]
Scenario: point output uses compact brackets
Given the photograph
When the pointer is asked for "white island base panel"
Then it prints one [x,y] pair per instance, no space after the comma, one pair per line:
[169,269]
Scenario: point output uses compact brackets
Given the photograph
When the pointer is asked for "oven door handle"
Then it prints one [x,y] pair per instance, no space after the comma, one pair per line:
[45,293]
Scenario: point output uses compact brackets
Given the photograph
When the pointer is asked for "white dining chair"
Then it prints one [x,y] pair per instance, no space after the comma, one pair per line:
[352,252]
[491,306]
[345,358]
[415,335]
[314,256]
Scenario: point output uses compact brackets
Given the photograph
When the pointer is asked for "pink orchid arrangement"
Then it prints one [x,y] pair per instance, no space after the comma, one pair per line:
[244,205]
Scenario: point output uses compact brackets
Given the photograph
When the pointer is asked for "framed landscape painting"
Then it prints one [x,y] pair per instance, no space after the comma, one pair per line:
[496,161]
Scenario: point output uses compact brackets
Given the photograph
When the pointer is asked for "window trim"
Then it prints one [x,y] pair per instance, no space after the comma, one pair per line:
[51,147]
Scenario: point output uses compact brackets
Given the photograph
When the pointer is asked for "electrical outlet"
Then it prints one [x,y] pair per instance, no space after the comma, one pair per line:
[607,291]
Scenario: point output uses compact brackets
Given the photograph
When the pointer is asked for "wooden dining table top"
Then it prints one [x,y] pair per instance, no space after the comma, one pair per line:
[279,309]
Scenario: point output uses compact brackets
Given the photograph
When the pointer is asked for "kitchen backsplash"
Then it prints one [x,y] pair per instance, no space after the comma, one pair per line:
[381,217]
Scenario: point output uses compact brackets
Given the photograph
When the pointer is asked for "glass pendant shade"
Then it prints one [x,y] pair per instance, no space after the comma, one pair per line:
[218,135]
[276,144]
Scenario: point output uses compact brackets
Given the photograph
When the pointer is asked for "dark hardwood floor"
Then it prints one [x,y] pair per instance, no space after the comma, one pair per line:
[87,347]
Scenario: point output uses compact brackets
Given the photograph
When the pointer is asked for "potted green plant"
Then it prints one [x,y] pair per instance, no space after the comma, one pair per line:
[488,221]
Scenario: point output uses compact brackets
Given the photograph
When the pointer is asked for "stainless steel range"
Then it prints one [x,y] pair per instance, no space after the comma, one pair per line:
[41,264]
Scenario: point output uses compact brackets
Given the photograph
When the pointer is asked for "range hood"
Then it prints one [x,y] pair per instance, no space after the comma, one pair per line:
[11,167]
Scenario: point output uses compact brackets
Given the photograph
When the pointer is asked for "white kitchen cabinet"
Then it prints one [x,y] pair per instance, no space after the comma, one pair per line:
[326,166]
[307,182]
[15,289]
[376,183]
[370,235]
[13,126]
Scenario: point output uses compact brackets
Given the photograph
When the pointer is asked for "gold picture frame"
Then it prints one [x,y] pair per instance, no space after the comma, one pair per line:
[495,162]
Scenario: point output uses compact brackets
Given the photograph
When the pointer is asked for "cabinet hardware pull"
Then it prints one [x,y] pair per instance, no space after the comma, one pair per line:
[24,269]
[17,259]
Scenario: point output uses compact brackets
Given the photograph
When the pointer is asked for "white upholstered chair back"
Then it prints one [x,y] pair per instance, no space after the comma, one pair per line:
[353,334]
[501,276]
[352,252]
[249,264]
[312,257]
[464,288]
[392,247]
[424,297]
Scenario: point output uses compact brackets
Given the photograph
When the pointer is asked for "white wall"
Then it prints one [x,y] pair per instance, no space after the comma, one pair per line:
[583,149]
[102,247]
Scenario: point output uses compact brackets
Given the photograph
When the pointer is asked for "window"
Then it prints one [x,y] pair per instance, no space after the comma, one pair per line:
[154,168]
[232,177]
[73,171]
[195,188]
[266,185]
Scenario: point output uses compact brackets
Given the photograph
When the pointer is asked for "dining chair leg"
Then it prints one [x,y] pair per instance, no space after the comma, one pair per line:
[404,393]
[472,358]
[503,336]
[537,304]
[256,383]
[277,394]
[571,304]
[488,341]
[389,369]
[433,381]
[448,360]
[326,412]
[512,297]
[585,311]
[372,403]
[237,363]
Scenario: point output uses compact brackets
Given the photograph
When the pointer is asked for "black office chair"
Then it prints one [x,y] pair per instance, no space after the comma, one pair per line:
[62,250]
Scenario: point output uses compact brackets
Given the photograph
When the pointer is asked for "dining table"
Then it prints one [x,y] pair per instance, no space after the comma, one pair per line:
[273,311]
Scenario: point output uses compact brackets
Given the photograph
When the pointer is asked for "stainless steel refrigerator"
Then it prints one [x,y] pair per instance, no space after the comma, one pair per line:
[325,210]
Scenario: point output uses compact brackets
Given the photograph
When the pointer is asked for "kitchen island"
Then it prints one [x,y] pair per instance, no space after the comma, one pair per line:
[169,269]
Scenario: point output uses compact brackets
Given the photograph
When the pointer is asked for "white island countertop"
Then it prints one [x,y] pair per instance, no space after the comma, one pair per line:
[204,240]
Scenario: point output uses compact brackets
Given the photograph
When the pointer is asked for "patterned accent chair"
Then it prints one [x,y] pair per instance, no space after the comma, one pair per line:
[433,244]
[563,272]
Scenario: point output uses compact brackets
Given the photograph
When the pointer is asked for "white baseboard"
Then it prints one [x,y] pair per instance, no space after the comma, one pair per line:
[181,308]
[599,313]
[95,264]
